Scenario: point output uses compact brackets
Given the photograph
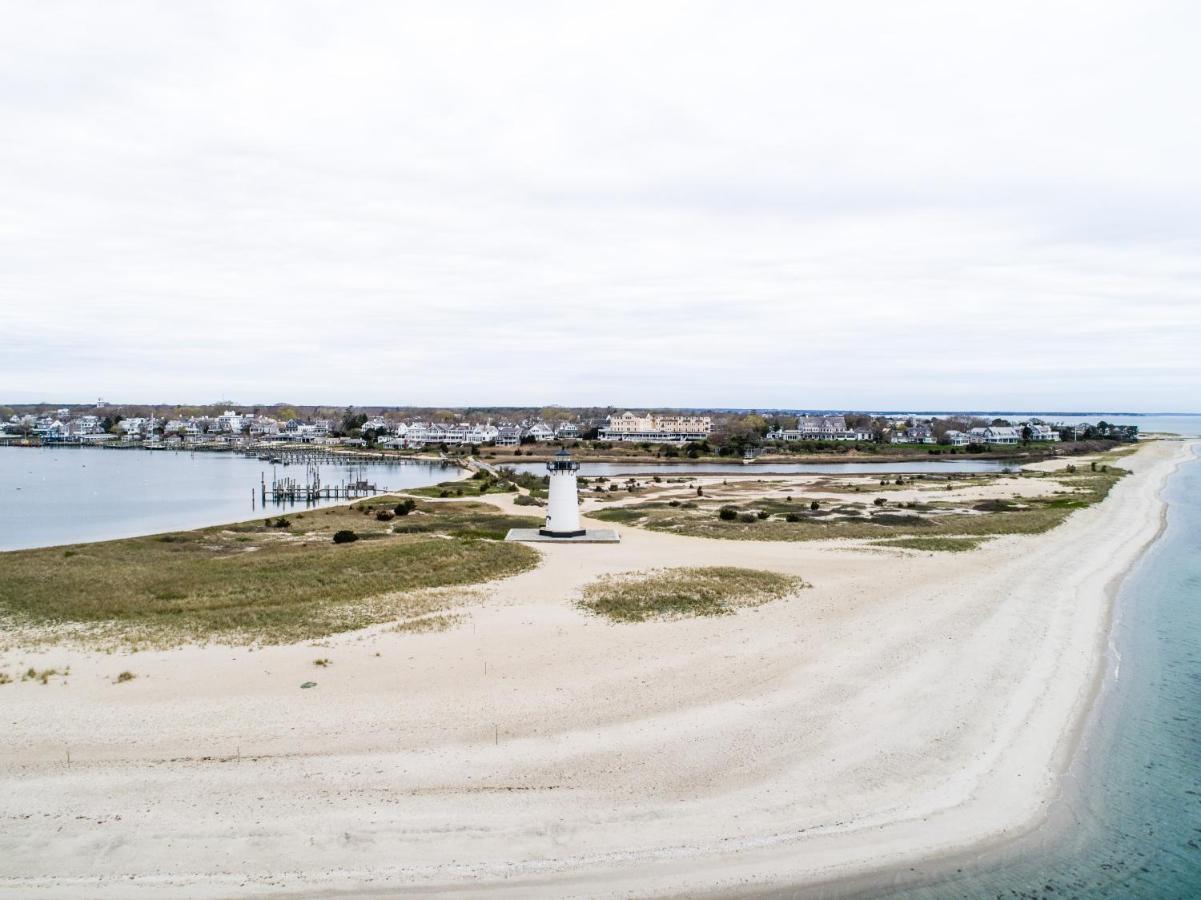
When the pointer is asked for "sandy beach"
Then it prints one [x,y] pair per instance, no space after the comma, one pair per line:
[906,705]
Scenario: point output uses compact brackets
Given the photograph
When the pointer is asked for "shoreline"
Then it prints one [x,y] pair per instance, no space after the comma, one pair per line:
[999,850]
[740,754]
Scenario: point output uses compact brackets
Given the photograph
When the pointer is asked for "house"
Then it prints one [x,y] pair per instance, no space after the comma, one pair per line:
[914,434]
[822,428]
[508,436]
[540,432]
[568,431]
[996,434]
[1041,432]
[957,438]
[230,422]
[655,428]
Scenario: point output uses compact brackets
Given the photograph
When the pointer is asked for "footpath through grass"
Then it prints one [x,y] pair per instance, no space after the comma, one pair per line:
[275,580]
[678,592]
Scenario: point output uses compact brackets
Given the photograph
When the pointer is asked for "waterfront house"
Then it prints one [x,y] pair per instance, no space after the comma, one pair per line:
[996,434]
[821,428]
[1042,432]
[508,436]
[540,432]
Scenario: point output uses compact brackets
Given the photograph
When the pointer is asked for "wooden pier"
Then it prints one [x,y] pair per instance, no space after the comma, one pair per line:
[311,489]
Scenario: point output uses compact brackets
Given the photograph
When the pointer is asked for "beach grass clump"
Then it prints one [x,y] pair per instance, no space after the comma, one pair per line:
[278,587]
[934,544]
[686,591]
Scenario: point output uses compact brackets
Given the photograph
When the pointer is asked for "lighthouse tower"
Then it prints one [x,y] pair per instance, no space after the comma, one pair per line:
[563,506]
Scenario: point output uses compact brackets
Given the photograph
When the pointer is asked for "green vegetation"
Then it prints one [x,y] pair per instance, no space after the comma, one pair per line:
[479,484]
[934,544]
[673,593]
[253,582]
[870,520]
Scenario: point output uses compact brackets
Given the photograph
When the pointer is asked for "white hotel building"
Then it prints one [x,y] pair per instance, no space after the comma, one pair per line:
[656,429]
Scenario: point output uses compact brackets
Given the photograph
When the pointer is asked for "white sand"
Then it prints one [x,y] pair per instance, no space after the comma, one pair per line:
[905,706]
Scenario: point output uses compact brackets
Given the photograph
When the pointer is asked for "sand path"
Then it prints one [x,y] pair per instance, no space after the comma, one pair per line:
[906,704]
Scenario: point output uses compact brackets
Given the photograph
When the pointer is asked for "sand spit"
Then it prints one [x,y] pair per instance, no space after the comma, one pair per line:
[907,705]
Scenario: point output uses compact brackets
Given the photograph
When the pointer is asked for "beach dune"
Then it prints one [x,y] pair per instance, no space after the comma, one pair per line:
[906,705]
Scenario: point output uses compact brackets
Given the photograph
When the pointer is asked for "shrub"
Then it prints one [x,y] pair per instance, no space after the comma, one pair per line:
[125,676]
[762,514]
[727,514]
[524,500]
[384,516]
[345,537]
[281,522]
[792,517]
[404,507]
[815,506]
[880,501]
[747,517]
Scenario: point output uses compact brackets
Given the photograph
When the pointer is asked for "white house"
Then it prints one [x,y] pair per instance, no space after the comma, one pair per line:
[1041,432]
[914,434]
[996,434]
[540,432]
[822,428]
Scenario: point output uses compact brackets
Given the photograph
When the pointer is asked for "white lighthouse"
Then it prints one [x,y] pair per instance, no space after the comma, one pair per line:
[563,503]
[563,510]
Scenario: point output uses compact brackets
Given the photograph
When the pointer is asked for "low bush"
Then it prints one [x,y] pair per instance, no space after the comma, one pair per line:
[345,537]
[727,514]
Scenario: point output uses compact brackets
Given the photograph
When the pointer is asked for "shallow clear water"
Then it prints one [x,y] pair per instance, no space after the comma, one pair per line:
[1129,824]
[865,468]
[65,495]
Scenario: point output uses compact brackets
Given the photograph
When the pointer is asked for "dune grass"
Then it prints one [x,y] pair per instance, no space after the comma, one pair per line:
[680,592]
[863,520]
[934,544]
[256,582]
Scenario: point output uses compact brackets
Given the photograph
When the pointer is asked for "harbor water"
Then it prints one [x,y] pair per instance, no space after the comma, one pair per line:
[67,495]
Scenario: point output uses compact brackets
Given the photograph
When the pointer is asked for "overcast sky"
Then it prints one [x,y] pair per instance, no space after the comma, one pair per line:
[880,205]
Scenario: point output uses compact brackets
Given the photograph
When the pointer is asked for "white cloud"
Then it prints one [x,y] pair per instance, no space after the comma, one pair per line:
[865,204]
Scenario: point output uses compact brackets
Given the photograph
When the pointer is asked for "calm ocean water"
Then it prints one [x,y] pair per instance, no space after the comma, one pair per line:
[67,495]
[1129,824]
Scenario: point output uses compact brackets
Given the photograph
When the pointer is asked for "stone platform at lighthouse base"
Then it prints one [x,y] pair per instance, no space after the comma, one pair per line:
[591,536]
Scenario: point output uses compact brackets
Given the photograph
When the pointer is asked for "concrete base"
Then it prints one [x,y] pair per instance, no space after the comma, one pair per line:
[591,536]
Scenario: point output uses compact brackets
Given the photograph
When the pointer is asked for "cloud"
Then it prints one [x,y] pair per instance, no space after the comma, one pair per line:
[868,204]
